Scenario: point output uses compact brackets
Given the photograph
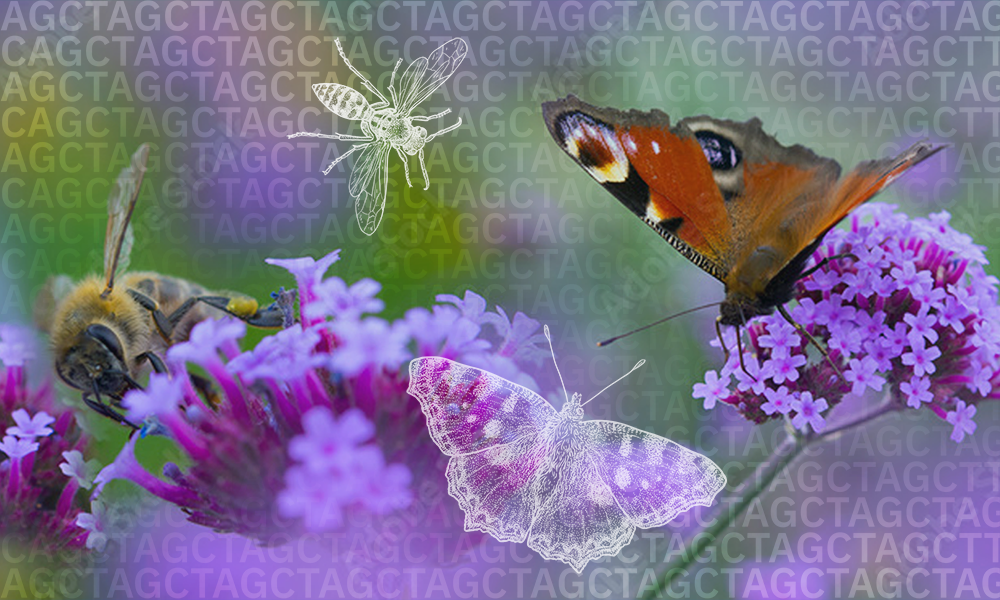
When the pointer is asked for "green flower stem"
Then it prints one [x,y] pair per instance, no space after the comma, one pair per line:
[787,451]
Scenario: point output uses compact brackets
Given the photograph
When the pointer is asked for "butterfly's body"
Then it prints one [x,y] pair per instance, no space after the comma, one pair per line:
[387,125]
[574,489]
[728,196]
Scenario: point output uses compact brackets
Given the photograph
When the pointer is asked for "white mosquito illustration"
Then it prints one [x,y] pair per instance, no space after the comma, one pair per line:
[387,124]
[574,489]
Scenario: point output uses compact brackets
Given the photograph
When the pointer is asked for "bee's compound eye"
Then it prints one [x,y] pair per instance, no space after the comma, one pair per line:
[107,338]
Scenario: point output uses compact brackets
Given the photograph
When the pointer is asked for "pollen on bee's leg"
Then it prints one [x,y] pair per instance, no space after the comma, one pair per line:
[243,307]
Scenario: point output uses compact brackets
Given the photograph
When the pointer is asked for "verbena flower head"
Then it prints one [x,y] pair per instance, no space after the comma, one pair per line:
[903,306]
[39,499]
[313,429]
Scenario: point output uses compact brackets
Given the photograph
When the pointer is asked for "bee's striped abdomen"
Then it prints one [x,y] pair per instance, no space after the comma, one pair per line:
[342,100]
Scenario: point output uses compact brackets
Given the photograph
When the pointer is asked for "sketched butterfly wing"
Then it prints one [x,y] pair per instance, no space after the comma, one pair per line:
[369,184]
[427,74]
[729,197]
[608,478]
[492,429]
[118,239]
[575,491]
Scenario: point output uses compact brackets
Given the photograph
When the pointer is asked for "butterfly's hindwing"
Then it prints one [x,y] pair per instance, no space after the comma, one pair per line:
[495,487]
[651,478]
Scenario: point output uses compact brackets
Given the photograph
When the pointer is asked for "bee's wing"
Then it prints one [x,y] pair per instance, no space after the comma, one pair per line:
[369,182]
[53,291]
[425,75]
[121,203]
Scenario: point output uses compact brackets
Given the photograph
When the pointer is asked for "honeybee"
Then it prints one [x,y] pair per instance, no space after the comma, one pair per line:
[387,125]
[104,330]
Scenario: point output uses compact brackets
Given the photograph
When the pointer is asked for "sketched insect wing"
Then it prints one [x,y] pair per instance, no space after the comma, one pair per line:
[425,75]
[521,471]
[369,185]
[387,125]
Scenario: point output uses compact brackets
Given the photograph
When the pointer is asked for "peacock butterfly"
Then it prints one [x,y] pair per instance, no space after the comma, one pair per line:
[727,195]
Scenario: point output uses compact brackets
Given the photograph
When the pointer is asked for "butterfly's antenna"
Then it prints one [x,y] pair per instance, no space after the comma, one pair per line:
[549,337]
[637,365]
[610,341]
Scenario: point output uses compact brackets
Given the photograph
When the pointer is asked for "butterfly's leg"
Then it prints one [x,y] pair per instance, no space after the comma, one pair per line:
[430,117]
[406,166]
[443,131]
[332,136]
[798,327]
[722,340]
[327,170]
[364,80]
[739,348]
[826,261]
[423,168]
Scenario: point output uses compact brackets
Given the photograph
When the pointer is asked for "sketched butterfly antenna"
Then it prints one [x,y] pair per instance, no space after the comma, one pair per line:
[574,490]
[387,125]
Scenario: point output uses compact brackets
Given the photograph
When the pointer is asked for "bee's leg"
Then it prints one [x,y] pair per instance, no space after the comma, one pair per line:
[163,323]
[432,117]
[406,166]
[327,170]
[155,361]
[364,80]
[106,411]
[271,316]
[332,136]
[443,131]
[423,168]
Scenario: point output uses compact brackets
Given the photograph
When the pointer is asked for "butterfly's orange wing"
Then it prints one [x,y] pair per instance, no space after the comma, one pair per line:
[659,174]
[741,206]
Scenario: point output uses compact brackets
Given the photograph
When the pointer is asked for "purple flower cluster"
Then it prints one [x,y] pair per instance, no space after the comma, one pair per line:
[314,422]
[903,306]
[42,466]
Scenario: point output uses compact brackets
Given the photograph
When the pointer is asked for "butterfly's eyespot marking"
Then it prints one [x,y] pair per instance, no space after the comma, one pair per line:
[595,145]
[721,153]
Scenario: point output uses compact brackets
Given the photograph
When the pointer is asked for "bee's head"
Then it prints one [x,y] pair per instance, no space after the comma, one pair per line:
[96,363]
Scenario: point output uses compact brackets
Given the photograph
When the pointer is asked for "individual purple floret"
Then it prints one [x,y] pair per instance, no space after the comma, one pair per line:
[314,423]
[902,306]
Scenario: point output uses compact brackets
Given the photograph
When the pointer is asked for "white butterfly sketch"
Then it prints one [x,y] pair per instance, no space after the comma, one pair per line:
[387,125]
[574,489]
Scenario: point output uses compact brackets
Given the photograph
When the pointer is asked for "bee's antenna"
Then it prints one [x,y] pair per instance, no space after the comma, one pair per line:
[610,341]
[549,337]
[637,365]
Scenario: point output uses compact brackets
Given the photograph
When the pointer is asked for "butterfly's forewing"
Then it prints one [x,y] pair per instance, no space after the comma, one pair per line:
[492,428]
[469,410]
[425,75]
[577,519]
[651,478]
[658,172]
[369,185]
